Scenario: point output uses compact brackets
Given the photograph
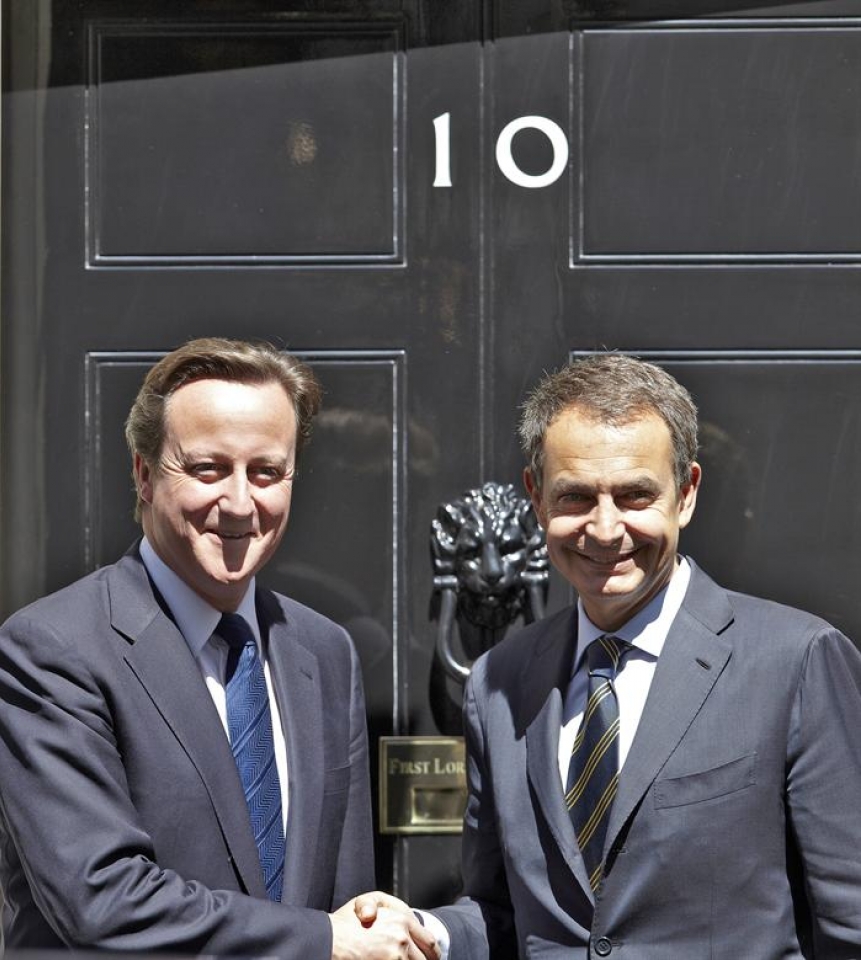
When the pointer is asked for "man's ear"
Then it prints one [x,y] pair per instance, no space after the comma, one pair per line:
[688,495]
[143,478]
[534,495]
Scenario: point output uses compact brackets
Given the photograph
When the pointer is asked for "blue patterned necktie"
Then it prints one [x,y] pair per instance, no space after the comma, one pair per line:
[593,774]
[250,726]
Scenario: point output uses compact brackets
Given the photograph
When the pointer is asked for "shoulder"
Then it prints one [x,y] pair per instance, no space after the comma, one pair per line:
[81,602]
[774,631]
[64,634]
[513,656]
[757,623]
[770,613]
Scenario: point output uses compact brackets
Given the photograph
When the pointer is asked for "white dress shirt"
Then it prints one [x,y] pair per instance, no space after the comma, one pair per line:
[197,620]
[646,632]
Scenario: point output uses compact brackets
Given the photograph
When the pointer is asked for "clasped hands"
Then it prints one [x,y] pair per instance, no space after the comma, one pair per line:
[377,926]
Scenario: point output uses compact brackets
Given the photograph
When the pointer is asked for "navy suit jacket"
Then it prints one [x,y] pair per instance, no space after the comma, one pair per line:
[736,830]
[123,825]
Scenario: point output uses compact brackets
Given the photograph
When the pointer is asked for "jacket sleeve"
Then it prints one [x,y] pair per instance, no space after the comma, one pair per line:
[823,790]
[481,923]
[81,861]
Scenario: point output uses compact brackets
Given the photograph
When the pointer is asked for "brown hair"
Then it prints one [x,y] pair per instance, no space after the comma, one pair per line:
[214,358]
[610,388]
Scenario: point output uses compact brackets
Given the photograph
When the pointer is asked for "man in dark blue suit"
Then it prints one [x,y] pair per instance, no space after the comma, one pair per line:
[666,770]
[183,754]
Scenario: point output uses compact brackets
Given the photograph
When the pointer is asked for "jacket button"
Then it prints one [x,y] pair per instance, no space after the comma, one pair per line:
[603,947]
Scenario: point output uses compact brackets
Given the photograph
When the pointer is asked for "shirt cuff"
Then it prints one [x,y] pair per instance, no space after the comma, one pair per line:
[438,929]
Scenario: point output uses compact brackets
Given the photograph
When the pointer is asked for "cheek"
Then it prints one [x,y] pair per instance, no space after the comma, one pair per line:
[563,527]
[276,508]
[193,507]
[180,498]
[655,529]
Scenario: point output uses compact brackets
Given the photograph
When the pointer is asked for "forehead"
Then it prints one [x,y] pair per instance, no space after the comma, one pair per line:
[216,407]
[580,444]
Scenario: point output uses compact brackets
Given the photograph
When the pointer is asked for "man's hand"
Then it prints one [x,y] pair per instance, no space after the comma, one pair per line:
[377,926]
[367,904]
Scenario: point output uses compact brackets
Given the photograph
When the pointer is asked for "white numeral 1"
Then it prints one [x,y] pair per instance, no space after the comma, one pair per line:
[442,135]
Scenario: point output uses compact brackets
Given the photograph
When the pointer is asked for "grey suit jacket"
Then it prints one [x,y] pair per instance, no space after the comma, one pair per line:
[736,831]
[123,824]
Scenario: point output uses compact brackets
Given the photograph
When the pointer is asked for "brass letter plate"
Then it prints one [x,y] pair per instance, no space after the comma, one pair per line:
[422,784]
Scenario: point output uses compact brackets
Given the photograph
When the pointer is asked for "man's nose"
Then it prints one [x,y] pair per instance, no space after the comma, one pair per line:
[236,494]
[605,524]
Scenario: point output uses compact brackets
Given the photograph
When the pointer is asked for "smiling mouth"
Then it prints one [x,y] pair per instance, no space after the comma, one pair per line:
[612,561]
[231,536]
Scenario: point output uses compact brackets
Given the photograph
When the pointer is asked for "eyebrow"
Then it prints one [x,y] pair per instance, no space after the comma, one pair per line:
[281,462]
[571,486]
[190,457]
[642,482]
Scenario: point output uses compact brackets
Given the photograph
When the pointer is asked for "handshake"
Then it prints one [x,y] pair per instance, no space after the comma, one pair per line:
[377,926]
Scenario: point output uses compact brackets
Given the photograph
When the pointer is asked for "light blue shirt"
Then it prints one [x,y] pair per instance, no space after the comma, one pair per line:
[196,621]
[647,632]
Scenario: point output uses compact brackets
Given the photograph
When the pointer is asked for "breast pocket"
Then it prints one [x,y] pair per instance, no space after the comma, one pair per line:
[704,785]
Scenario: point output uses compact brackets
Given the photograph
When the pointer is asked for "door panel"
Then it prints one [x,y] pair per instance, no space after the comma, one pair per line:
[226,143]
[718,143]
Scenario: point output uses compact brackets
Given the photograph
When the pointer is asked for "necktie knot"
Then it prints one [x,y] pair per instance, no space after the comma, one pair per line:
[236,633]
[604,655]
[234,630]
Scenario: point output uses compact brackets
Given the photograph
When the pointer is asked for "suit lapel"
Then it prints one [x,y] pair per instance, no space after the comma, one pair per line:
[545,685]
[160,659]
[295,675]
[693,658]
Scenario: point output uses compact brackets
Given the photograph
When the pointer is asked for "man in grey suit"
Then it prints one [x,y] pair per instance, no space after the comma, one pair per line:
[728,823]
[183,755]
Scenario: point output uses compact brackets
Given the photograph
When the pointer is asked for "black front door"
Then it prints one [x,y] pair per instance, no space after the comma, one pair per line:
[433,203]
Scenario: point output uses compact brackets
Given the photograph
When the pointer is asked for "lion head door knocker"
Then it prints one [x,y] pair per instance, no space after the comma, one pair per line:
[490,567]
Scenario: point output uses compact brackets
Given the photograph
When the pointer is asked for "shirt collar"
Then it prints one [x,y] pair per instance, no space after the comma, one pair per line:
[195,618]
[648,628]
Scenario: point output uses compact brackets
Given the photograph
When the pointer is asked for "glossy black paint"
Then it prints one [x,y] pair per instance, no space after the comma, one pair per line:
[258,169]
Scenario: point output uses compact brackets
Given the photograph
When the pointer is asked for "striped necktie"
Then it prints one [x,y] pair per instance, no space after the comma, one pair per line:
[593,774]
[250,727]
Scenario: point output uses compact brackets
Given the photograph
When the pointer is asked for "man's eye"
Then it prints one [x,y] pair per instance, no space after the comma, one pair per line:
[639,498]
[205,471]
[267,474]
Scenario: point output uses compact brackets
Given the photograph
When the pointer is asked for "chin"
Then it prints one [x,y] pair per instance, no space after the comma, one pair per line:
[627,586]
[235,578]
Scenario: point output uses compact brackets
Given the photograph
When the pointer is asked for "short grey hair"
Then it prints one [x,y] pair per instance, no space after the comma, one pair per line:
[610,388]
